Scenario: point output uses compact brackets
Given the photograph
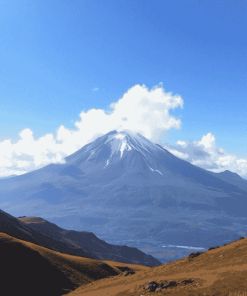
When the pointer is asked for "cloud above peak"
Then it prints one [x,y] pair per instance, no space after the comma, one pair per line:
[140,109]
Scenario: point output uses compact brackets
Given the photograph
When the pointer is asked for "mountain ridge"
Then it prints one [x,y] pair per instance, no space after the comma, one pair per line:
[85,244]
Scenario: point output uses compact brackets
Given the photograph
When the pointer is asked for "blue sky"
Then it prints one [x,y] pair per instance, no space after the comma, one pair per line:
[60,58]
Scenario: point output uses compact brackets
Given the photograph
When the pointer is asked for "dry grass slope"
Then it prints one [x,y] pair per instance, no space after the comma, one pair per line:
[220,271]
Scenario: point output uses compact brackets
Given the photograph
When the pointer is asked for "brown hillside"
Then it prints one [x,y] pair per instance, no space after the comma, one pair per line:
[29,269]
[220,271]
[29,220]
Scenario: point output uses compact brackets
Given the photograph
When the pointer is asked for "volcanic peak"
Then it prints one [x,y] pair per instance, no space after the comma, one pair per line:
[126,140]
[119,142]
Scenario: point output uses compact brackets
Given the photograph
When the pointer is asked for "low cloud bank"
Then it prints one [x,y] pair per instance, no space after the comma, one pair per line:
[207,155]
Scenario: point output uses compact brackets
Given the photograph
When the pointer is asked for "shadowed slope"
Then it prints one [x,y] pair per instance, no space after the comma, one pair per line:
[26,272]
[28,269]
[87,240]
[12,226]
[220,271]
[16,228]
[85,244]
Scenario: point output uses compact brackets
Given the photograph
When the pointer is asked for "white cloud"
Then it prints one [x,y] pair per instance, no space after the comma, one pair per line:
[207,155]
[179,154]
[96,89]
[181,143]
[140,109]
[208,141]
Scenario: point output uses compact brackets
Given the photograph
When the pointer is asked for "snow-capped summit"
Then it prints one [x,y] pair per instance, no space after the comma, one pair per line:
[121,142]
[116,145]
[127,140]
[120,153]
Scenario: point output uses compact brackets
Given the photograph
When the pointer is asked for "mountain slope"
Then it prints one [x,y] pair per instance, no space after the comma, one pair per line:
[124,188]
[11,176]
[85,244]
[30,269]
[221,271]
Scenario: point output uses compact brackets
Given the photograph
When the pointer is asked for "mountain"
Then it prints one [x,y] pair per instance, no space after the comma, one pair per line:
[11,176]
[129,190]
[85,244]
